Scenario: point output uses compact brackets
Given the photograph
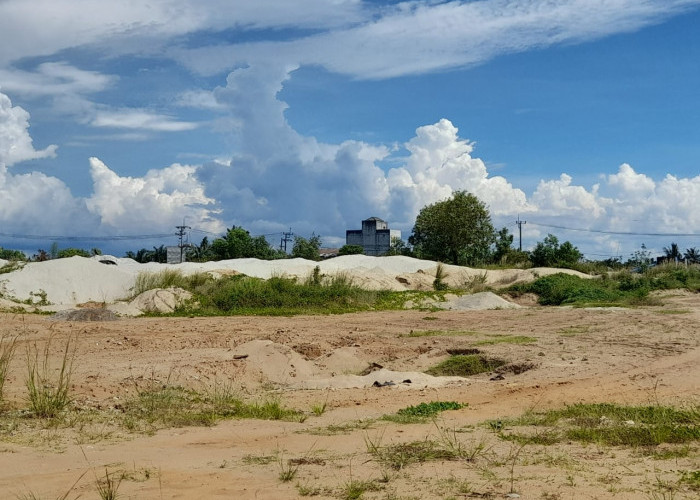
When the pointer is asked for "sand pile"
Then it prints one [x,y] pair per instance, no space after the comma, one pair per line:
[75,280]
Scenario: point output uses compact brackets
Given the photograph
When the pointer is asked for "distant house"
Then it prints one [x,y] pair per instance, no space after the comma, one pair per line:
[374,237]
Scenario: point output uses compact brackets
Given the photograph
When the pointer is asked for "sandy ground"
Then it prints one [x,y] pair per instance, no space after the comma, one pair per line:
[636,356]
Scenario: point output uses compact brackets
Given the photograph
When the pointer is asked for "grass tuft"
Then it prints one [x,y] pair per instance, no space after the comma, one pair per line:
[48,387]
[422,412]
[8,345]
[642,427]
[465,366]
[160,406]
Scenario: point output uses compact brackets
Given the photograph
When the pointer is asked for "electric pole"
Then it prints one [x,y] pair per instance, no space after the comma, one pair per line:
[181,232]
[520,230]
[286,238]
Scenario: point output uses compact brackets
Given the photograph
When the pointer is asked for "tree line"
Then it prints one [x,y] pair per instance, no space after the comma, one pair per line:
[456,231]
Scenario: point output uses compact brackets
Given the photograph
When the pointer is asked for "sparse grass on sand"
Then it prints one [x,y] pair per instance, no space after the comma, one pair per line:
[610,424]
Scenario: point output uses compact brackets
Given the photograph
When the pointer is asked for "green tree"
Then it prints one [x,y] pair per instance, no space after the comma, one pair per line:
[351,250]
[549,253]
[672,253]
[7,254]
[307,249]
[399,247]
[160,254]
[239,244]
[692,255]
[504,240]
[200,253]
[456,231]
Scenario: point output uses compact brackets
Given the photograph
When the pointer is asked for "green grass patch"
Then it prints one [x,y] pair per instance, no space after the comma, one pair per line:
[422,412]
[287,296]
[613,425]
[175,406]
[621,289]
[465,365]
[169,278]
[507,339]
[691,478]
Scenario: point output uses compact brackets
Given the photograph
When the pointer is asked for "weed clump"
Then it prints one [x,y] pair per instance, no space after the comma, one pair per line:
[610,424]
[422,412]
[48,388]
[465,365]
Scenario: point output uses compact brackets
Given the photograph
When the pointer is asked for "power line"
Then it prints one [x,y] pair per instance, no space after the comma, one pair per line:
[600,231]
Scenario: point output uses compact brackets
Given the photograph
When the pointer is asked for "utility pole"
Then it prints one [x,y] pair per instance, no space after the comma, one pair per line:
[181,232]
[520,230]
[286,238]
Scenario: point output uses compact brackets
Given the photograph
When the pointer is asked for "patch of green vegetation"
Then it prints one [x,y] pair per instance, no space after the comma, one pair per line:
[175,406]
[609,424]
[11,266]
[691,478]
[422,412]
[286,296]
[439,333]
[447,446]
[622,289]
[560,288]
[465,365]
[169,278]
[355,488]
[507,339]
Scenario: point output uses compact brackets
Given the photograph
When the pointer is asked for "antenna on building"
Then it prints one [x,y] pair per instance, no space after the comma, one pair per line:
[181,232]
[286,238]
[520,229]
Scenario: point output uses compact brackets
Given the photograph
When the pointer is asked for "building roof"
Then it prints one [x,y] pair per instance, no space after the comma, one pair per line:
[374,218]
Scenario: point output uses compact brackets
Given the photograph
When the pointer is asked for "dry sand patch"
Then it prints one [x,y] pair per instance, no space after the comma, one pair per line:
[634,356]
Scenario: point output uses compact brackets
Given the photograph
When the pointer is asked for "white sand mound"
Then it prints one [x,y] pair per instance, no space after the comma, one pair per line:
[477,301]
[382,379]
[77,279]
[67,281]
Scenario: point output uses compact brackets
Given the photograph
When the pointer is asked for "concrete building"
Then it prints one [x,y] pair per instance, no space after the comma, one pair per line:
[374,237]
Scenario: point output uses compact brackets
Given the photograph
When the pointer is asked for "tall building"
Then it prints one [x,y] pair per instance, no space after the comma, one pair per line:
[374,237]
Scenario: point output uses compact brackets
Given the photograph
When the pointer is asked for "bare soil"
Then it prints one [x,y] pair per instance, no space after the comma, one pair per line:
[647,355]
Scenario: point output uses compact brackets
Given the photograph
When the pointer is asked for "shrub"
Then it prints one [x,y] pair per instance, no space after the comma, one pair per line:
[465,365]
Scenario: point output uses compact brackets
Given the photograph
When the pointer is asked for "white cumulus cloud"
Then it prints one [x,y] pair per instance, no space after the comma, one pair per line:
[15,142]
[158,200]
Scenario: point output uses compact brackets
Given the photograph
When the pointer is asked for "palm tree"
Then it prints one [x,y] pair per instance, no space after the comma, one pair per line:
[673,254]
[692,255]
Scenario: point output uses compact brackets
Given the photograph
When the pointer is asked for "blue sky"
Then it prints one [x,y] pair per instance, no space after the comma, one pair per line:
[128,118]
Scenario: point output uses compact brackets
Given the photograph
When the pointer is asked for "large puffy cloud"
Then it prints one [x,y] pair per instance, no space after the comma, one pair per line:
[35,203]
[15,141]
[280,177]
[159,200]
